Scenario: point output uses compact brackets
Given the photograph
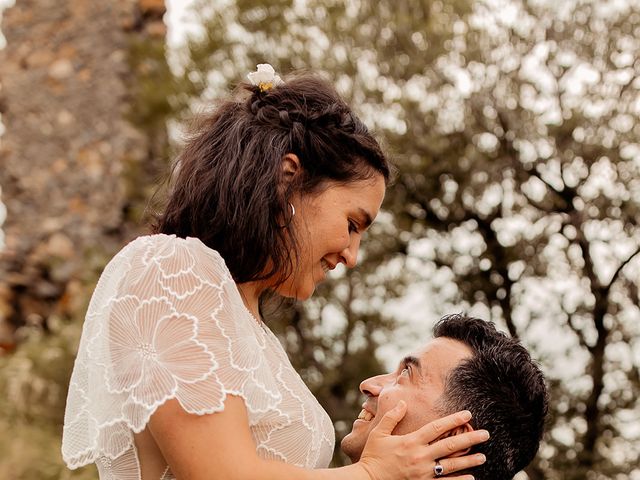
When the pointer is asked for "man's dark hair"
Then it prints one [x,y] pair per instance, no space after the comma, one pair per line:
[503,388]
[228,190]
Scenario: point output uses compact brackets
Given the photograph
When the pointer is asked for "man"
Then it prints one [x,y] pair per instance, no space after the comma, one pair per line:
[469,365]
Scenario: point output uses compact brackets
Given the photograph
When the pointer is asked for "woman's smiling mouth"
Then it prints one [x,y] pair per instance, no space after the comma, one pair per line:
[326,266]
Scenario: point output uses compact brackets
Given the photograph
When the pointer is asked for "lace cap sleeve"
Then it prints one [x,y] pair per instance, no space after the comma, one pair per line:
[165,321]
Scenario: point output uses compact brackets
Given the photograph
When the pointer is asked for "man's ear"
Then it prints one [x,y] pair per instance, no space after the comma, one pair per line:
[457,431]
[290,167]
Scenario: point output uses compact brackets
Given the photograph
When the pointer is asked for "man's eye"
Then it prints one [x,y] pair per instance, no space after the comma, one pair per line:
[352,226]
[405,371]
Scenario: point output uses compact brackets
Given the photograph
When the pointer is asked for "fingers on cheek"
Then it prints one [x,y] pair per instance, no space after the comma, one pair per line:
[453,466]
[437,430]
[451,446]
[462,463]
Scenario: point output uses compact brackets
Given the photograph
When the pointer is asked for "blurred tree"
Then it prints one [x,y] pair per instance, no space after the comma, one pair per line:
[525,186]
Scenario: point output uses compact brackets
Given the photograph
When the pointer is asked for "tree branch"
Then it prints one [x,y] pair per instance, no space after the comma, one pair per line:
[616,274]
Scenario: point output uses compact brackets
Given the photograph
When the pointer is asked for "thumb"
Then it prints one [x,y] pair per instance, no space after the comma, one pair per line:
[392,418]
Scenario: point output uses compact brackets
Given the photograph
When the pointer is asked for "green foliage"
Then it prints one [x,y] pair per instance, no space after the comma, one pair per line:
[33,382]
[542,191]
[33,389]
[155,96]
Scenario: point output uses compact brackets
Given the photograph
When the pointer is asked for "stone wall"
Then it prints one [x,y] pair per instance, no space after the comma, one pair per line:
[64,98]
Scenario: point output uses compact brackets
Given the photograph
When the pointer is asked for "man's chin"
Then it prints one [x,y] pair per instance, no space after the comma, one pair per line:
[351,447]
[353,443]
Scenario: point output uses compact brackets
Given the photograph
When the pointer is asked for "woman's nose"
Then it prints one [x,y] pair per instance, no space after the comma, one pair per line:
[349,256]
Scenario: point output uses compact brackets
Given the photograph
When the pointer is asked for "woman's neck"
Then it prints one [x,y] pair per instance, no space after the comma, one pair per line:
[250,293]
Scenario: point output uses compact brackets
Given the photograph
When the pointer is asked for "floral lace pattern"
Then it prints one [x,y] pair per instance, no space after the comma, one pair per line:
[166,321]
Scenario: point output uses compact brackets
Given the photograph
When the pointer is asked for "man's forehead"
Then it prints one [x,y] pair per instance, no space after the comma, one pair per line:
[441,354]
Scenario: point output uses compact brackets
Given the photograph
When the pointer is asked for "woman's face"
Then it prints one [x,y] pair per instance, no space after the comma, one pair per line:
[329,227]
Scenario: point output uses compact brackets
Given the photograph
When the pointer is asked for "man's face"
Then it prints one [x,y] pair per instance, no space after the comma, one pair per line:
[419,380]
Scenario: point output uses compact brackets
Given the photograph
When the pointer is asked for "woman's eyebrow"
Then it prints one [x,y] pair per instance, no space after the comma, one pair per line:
[367,219]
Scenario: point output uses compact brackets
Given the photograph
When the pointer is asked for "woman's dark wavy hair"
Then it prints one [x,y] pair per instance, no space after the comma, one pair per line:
[227,187]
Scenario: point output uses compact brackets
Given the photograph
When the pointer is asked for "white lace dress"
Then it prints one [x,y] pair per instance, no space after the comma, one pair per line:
[166,321]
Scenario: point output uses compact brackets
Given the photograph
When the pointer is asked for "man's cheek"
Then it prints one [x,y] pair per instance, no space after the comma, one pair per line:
[404,426]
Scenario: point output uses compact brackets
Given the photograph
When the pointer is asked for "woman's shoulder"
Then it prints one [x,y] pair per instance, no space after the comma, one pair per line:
[161,244]
[173,252]
[180,266]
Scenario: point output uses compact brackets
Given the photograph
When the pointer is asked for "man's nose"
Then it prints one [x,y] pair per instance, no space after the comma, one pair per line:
[372,387]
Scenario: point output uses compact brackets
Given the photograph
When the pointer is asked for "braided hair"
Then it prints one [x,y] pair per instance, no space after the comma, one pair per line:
[227,187]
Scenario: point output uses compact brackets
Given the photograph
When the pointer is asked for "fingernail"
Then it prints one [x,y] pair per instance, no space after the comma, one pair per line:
[481,458]
[466,415]
[485,434]
[401,404]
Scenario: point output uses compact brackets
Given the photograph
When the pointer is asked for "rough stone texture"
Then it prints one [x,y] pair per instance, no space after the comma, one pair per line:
[63,99]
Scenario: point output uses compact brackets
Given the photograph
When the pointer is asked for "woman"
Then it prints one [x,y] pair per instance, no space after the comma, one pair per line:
[177,376]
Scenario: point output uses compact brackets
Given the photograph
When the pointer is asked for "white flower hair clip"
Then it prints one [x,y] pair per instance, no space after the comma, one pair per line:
[265,77]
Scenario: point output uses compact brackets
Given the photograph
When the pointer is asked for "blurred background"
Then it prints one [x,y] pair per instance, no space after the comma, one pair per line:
[515,128]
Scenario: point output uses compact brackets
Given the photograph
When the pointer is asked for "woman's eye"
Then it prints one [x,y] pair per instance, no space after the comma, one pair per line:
[405,371]
[352,226]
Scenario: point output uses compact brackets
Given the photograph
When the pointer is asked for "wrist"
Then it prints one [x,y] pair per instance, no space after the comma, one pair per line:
[361,471]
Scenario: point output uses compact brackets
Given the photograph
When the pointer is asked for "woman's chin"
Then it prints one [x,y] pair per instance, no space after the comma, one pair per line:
[305,294]
[301,293]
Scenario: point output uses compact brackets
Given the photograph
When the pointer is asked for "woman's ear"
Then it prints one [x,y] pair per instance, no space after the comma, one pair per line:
[290,167]
[457,431]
